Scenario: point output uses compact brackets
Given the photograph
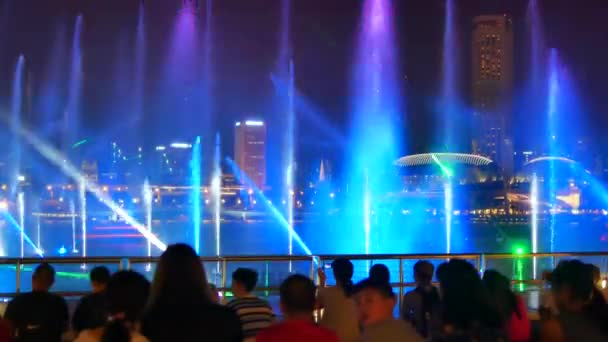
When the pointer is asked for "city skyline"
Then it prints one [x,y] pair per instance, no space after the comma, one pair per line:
[419,91]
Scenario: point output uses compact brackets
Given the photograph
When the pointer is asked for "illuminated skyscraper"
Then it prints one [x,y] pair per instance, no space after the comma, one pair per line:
[492,52]
[250,150]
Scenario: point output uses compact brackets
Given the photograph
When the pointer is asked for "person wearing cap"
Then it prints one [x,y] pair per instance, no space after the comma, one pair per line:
[375,303]
[421,305]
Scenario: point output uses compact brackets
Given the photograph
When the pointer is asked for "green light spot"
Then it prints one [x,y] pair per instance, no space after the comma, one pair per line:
[446,171]
[79,143]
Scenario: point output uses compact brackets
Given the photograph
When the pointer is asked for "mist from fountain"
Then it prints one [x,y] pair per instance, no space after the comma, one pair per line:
[449,116]
[374,135]
[15,144]
[140,67]
[449,112]
[71,119]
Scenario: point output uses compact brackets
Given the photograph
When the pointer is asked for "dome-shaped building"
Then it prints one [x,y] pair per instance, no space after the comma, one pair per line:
[475,181]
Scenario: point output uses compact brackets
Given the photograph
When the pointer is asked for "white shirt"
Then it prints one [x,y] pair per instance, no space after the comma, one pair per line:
[339,313]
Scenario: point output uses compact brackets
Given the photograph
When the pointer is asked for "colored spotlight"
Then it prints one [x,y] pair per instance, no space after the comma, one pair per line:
[55,157]
[274,211]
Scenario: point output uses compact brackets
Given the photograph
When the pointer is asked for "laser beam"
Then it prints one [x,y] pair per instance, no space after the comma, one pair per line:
[243,178]
[55,157]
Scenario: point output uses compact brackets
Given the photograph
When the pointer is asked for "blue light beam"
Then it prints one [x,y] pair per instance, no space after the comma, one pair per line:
[273,210]
[11,220]
[55,157]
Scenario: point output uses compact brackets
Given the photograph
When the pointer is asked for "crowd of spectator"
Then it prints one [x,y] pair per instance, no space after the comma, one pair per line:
[180,305]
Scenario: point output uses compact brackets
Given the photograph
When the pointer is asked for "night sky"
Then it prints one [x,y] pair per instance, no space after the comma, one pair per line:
[246,34]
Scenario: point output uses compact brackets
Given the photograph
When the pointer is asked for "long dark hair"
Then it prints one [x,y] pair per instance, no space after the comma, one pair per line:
[127,293]
[343,273]
[180,278]
[465,301]
[499,288]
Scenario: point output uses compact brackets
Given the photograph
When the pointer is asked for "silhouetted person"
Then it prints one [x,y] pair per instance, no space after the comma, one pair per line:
[91,311]
[375,304]
[509,305]
[297,294]
[38,315]
[421,305]
[380,273]
[255,313]
[581,316]
[181,307]
[127,294]
[467,313]
[339,311]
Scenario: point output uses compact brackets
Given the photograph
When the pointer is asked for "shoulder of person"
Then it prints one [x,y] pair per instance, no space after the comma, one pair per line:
[137,337]
[551,330]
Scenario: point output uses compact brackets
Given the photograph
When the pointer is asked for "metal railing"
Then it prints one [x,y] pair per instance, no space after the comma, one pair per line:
[481,260]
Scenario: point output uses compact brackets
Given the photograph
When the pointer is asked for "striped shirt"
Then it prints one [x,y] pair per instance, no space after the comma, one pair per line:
[255,314]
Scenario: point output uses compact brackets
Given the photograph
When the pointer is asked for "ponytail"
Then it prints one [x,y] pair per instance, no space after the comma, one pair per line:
[116,331]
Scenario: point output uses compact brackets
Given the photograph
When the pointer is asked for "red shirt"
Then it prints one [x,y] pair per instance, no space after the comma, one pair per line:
[5,335]
[296,331]
[520,328]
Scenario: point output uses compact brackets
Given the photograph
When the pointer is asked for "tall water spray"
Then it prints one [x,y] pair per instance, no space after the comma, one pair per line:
[82,192]
[448,208]
[195,193]
[73,215]
[15,145]
[38,237]
[147,196]
[216,193]
[553,136]
[534,219]
[290,155]
[450,106]
[21,209]
[449,86]
[71,119]
[537,87]
[374,134]
[286,118]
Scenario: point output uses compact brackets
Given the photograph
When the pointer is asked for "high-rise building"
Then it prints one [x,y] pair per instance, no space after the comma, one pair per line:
[492,52]
[250,151]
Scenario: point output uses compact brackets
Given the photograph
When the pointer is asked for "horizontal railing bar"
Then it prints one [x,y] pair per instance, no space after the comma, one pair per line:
[261,258]
[58,260]
[399,256]
[543,255]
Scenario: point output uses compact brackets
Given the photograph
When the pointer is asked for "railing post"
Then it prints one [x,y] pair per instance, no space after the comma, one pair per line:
[401,281]
[18,277]
[224,278]
[312,268]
